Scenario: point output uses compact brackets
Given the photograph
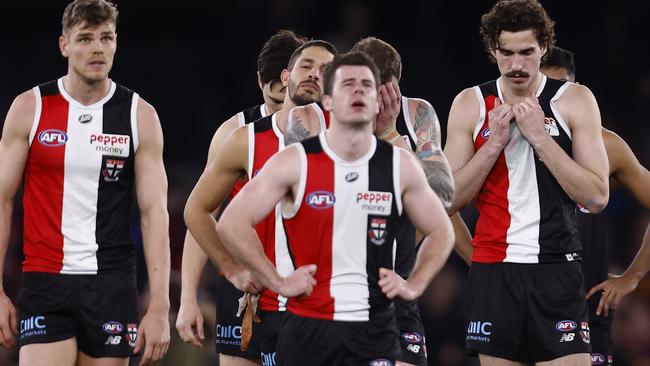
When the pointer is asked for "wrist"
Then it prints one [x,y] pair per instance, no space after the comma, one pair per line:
[389,134]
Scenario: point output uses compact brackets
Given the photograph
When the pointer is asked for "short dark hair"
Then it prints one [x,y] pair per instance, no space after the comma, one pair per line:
[353,58]
[516,16]
[385,56]
[275,54]
[312,43]
[92,12]
[559,57]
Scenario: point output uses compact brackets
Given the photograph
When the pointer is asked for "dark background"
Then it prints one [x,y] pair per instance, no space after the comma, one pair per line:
[195,61]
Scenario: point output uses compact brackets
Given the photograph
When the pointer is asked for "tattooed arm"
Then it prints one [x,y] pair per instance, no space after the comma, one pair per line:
[303,122]
[429,149]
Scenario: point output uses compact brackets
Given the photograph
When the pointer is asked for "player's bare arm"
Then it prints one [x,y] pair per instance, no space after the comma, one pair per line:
[229,164]
[151,191]
[585,177]
[429,150]
[276,182]
[463,242]
[189,321]
[626,169]
[14,148]
[470,169]
[425,210]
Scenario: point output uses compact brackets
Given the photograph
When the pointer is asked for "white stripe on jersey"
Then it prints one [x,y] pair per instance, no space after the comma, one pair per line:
[37,113]
[481,114]
[407,118]
[80,190]
[134,121]
[557,114]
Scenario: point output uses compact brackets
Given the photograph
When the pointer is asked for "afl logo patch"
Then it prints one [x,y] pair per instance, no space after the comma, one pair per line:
[566,325]
[52,138]
[381,362]
[321,199]
[486,133]
[113,327]
[351,177]
[85,118]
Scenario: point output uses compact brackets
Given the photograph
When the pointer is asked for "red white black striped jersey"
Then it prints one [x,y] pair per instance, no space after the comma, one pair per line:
[344,220]
[248,115]
[264,140]
[79,182]
[525,215]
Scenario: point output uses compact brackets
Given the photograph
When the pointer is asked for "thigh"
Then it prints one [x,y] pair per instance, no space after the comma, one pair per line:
[579,359]
[600,330]
[85,360]
[228,324]
[372,343]
[411,338]
[46,308]
[557,314]
[61,353]
[108,315]
[487,360]
[269,334]
[307,341]
[496,311]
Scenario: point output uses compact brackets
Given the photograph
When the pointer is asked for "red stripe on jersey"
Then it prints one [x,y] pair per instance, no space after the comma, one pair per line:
[266,144]
[43,196]
[492,203]
[238,186]
[326,114]
[309,235]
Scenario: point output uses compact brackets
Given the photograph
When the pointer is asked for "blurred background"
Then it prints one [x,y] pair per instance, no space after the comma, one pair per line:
[195,61]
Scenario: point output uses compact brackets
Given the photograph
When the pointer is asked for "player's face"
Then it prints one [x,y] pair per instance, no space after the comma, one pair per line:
[90,50]
[559,73]
[354,95]
[273,94]
[518,57]
[305,82]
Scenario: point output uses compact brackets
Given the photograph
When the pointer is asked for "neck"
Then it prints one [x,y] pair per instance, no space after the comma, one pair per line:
[83,91]
[349,141]
[514,96]
[282,115]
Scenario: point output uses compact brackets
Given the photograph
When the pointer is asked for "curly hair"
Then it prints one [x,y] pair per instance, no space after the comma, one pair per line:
[275,54]
[516,16]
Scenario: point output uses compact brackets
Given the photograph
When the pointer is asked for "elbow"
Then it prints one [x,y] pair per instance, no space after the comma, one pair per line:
[597,204]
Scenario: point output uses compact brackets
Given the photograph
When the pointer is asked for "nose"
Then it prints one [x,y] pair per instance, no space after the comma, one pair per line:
[315,73]
[517,62]
[98,47]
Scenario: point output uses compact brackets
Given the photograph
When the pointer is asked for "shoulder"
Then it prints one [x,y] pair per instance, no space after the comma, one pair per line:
[465,110]
[619,153]
[419,107]
[21,114]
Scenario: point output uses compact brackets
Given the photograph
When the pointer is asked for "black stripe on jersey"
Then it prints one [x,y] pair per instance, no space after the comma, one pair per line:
[380,178]
[312,145]
[49,88]
[252,114]
[115,191]
[594,237]
[263,124]
[403,130]
[489,88]
[558,233]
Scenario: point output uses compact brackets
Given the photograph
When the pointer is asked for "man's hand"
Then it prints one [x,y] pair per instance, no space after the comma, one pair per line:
[613,290]
[189,322]
[245,281]
[529,117]
[300,283]
[8,322]
[153,335]
[390,103]
[394,286]
[499,123]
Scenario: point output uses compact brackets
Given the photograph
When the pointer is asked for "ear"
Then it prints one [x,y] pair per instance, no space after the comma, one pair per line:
[327,102]
[284,77]
[493,52]
[63,46]
[259,80]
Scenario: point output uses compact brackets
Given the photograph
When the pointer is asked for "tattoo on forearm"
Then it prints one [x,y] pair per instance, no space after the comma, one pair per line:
[296,130]
[429,151]
[441,180]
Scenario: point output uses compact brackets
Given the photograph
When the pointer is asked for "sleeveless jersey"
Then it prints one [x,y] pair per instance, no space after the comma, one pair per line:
[594,237]
[79,182]
[344,220]
[524,214]
[248,115]
[264,140]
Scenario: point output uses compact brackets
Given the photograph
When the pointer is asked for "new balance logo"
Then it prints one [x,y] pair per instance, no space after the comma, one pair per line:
[567,337]
[113,340]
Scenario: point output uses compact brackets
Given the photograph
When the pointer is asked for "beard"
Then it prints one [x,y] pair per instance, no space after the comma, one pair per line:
[300,99]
